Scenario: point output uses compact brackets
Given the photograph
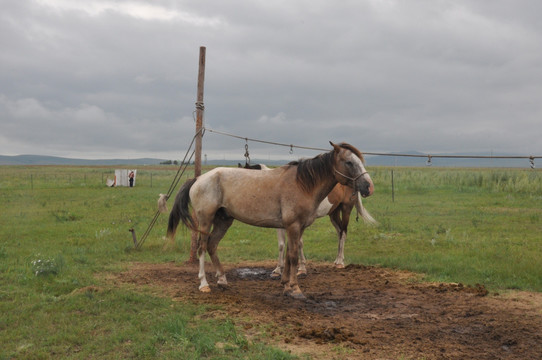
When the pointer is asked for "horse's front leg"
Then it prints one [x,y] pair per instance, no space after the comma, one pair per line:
[289,276]
[281,237]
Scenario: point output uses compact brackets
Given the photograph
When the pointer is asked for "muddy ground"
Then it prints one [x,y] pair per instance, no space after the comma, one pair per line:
[361,312]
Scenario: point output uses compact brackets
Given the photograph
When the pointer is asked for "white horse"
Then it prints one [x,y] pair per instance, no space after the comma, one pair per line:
[285,197]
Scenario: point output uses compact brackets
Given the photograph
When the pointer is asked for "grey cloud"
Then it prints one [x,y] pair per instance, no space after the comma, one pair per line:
[120,77]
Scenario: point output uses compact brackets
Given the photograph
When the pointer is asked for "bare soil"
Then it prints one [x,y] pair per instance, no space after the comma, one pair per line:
[360,312]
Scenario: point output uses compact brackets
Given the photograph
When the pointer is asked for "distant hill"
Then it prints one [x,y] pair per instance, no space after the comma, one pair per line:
[371,161]
[54,160]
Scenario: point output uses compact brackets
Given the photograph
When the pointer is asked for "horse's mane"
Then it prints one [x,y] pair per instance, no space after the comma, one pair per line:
[311,171]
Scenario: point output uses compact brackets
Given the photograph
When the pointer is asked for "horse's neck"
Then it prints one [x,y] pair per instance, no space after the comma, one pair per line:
[322,190]
[324,186]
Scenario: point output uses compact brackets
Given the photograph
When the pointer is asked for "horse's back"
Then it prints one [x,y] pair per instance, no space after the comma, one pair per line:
[250,196]
[239,179]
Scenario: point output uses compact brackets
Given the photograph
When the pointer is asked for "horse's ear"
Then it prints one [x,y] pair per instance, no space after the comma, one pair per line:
[335,147]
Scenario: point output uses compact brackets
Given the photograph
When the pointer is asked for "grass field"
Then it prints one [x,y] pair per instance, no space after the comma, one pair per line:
[62,231]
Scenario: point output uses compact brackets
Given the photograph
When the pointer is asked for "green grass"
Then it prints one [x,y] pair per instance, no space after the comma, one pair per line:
[62,230]
[470,226]
[59,239]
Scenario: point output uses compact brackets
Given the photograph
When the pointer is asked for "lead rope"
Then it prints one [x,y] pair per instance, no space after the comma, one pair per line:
[174,183]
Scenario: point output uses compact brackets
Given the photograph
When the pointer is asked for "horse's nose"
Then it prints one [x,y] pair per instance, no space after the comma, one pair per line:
[367,188]
[371,188]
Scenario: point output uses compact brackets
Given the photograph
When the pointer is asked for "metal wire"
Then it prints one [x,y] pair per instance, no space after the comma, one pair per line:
[428,156]
[291,147]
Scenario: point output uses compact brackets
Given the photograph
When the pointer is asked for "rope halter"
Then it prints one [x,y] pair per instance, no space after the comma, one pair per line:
[350,178]
[353,179]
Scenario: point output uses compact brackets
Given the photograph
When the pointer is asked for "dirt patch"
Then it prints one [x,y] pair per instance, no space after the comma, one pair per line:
[362,312]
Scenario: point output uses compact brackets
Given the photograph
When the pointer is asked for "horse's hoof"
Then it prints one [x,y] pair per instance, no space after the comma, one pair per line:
[294,292]
[287,290]
[298,295]
[275,276]
[222,282]
[302,274]
[339,266]
[205,289]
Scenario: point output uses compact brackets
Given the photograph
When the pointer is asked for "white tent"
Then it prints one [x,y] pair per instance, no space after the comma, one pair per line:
[122,178]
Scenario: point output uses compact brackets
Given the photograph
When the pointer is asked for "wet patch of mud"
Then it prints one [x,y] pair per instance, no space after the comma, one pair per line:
[372,312]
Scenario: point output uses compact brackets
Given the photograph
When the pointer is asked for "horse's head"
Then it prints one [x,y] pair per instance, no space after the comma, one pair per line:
[350,170]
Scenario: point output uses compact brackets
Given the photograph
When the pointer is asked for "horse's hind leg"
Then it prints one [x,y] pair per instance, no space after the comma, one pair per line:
[281,237]
[203,240]
[341,225]
[204,285]
[221,224]
[302,269]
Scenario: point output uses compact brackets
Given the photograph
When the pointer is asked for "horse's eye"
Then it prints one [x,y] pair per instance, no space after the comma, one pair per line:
[349,163]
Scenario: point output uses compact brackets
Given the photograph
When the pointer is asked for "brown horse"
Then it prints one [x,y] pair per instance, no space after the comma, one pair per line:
[286,197]
[338,205]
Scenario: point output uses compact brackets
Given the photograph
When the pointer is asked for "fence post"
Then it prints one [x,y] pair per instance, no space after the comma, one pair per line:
[392,188]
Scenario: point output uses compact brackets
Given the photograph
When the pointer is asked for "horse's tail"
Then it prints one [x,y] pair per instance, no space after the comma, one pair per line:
[364,213]
[180,211]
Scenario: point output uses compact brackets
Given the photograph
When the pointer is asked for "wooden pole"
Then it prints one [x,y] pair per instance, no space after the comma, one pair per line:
[199,111]
[199,128]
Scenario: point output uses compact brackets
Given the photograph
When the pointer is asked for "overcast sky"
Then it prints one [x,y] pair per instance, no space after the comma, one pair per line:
[113,78]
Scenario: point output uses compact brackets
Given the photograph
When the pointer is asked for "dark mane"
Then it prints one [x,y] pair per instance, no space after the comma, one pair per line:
[311,171]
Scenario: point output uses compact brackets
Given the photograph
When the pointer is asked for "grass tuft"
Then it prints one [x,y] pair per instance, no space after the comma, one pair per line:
[60,240]
[42,266]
